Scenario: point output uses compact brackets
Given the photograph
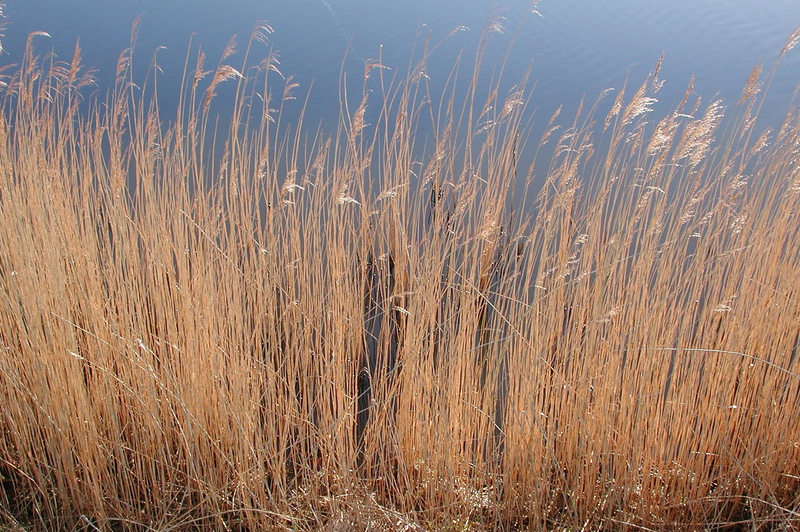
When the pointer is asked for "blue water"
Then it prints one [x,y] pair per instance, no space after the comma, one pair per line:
[575,47]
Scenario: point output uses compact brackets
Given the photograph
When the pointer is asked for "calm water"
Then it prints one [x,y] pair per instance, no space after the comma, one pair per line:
[575,47]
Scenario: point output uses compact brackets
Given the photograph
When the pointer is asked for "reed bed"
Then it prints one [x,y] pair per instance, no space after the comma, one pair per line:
[266,327]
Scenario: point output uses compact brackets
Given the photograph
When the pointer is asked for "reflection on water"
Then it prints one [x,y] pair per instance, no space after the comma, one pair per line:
[575,47]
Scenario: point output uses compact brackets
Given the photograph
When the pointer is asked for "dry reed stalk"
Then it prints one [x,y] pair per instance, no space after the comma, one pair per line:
[261,328]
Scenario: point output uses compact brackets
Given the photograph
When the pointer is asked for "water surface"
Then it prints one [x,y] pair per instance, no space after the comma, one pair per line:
[574,47]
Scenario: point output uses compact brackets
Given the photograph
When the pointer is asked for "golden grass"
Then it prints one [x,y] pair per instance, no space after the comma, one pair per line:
[270,328]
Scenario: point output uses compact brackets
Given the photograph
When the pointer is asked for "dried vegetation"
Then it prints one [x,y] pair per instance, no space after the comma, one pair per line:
[268,328]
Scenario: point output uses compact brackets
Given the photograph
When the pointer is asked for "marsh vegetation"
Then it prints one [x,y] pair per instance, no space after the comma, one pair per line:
[265,326]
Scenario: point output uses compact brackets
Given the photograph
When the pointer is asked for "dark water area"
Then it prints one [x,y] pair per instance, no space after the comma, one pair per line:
[574,48]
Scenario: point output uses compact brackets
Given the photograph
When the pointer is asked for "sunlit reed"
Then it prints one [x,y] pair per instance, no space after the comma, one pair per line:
[265,326]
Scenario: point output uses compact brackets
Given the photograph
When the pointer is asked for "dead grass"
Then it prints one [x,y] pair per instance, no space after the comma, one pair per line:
[268,328]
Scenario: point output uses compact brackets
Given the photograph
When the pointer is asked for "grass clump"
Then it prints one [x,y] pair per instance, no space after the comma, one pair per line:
[268,327]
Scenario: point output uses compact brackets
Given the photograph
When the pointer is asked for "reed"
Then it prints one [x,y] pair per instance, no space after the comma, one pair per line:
[267,327]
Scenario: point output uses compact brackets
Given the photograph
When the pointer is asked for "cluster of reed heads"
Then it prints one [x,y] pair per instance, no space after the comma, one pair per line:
[265,326]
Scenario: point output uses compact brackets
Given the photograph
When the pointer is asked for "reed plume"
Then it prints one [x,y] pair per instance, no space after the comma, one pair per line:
[268,327]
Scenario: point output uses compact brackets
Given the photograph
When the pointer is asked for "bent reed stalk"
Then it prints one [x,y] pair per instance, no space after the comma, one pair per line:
[272,328]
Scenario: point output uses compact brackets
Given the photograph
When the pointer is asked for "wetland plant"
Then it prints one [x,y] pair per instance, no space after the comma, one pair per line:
[264,326]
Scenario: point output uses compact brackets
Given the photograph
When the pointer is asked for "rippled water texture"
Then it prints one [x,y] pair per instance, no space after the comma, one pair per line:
[575,47]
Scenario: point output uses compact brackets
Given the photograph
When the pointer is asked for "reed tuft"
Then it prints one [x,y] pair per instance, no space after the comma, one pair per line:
[271,328]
